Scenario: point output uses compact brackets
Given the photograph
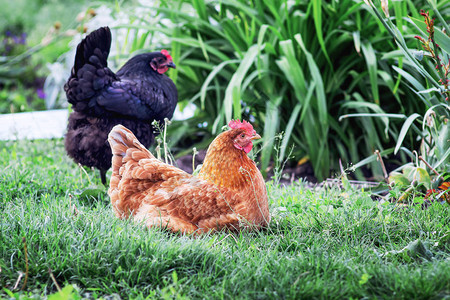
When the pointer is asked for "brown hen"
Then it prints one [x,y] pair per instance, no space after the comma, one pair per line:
[229,191]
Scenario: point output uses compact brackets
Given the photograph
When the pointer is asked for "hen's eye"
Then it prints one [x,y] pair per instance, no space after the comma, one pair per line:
[242,135]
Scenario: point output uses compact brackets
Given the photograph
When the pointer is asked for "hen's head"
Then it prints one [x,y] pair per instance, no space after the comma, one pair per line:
[242,135]
[158,62]
[162,61]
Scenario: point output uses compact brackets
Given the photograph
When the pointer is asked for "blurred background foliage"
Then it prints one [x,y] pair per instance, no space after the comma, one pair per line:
[326,74]
[24,25]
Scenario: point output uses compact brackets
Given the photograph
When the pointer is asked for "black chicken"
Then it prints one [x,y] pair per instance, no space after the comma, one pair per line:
[135,96]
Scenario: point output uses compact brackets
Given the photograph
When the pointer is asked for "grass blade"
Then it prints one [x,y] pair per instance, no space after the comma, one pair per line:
[200,8]
[395,116]
[191,42]
[357,41]
[415,83]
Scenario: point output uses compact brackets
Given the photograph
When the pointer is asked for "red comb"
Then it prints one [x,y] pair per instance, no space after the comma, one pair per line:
[236,124]
[166,54]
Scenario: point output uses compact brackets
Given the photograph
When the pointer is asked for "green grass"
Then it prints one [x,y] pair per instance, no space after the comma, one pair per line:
[320,244]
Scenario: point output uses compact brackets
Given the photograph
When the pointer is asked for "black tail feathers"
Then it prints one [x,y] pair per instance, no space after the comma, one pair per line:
[94,49]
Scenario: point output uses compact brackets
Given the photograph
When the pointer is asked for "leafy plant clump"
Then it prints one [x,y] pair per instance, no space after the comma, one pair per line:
[428,177]
[280,65]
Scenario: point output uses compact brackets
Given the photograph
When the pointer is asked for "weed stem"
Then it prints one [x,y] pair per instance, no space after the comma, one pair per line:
[429,166]
[54,280]
[26,263]
[380,159]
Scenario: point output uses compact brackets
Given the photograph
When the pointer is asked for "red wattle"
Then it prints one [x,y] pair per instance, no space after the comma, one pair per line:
[248,148]
[162,70]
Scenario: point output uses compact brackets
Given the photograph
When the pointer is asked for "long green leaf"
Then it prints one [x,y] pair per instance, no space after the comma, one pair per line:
[418,87]
[316,75]
[372,106]
[202,46]
[233,91]
[306,102]
[200,7]
[176,51]
[211,76]
[289,65]
[395,116]
[371,61]
[357,41]
[188,41]
[317,12]
[190,19]
[372,158]
[241,7]
[270,128]
[404,130]
[262,33]
[445,158]
[234,37]
[288,130]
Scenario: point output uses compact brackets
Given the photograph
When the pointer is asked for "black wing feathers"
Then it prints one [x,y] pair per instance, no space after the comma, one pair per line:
[157,98]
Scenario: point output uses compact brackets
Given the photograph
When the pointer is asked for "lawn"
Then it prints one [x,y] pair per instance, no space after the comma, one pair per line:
[321,243]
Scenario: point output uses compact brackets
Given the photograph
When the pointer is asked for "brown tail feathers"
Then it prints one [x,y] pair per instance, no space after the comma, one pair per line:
[124,147]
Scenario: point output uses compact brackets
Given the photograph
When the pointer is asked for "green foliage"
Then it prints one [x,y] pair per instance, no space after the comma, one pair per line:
[19,99]
[16,75]
[67,293]
[294,67]
[32,34]
[37,17]
[428,73]
[319,242]
[303,68]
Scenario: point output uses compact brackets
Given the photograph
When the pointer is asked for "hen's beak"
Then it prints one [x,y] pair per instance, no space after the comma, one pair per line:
[171,65]
[255,137]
